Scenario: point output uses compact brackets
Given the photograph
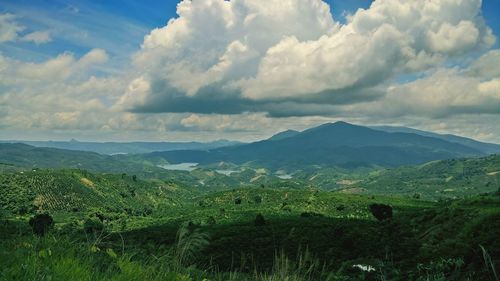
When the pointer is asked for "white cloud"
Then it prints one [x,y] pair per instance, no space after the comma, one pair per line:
[227,68]
[37,37]
[487,66]
[61,67]
[223,41]
[9,28]
[392,36]
[444,93]
[10,31]
[275,50]
[227,123]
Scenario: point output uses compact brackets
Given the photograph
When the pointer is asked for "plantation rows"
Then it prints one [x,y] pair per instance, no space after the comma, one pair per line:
[74,191]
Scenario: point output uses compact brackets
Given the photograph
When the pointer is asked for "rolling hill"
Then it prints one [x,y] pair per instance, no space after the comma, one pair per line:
[452,178]
[111,148]
[28,157]
[332,144]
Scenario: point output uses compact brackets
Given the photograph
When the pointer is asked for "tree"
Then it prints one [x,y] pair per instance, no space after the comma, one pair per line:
[259,220]
[211,220]
[237,201]
[381,211]
[41,224]
[93,225]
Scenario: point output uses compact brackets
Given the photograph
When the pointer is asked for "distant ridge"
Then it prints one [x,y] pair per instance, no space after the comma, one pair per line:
[488,148]
[111,148]
[338,143]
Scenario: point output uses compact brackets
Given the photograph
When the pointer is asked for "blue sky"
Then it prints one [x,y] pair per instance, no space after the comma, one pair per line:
[76,69]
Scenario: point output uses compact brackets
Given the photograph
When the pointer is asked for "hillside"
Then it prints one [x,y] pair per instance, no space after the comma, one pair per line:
[422,239]
[340,144]
[454,178]
[26,156]
[79,190]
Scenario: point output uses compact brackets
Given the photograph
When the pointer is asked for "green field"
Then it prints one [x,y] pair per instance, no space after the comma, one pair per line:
[122,227]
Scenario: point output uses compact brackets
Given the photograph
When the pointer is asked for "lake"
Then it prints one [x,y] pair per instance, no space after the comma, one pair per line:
[226,172]
[179,167]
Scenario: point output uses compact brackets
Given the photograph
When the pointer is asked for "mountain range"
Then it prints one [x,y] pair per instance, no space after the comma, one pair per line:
[112,148]
[334,144]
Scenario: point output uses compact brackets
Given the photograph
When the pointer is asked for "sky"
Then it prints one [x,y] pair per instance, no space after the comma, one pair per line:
[124,70]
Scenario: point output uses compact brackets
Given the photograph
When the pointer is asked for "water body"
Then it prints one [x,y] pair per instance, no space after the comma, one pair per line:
[179,167]
[284,177]
[226,172]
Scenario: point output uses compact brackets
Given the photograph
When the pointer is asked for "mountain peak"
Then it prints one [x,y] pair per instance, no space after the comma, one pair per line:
[284,135]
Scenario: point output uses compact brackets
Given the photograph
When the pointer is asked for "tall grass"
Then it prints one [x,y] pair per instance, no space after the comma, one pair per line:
[489,263]
[59,258]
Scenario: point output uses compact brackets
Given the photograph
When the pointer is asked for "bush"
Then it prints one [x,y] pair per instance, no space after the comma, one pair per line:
[257,199]
[93,225]
[211,220]
[41,224]
[259,220]
[237,201]
[381,211]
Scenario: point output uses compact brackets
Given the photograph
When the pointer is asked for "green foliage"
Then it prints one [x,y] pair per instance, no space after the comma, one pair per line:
[190,241]
[93,225]
[455,178]
[308,234]
[259,220]
[41,224]
[381,211]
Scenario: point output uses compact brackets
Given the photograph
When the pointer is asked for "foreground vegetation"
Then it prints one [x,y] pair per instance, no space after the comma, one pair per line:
[251,234]
[442,222]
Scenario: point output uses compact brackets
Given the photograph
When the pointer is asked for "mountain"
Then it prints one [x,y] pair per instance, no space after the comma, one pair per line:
[331,144]
[488,148]
[111,148]
[284,135]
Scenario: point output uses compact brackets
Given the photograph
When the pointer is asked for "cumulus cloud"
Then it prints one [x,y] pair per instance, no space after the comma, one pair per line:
[446,92]
[37,37]
[61,67]
[487,66]
[58,93]
[442,94]
[9,28]
[10,31]
[233,67]
[260,56]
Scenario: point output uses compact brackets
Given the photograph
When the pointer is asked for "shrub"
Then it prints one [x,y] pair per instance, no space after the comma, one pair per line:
[257,199]
[93,225]
[211,220]
[259,220]
[381,211]
[41,224]
[237,201]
